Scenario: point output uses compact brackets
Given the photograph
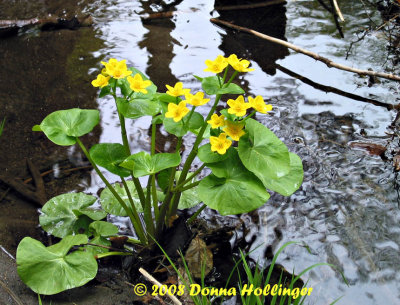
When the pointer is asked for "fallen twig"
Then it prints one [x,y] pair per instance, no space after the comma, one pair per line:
[335,90]
[248,6]
[155,282]
[11,293]
[316,56]
[336,6]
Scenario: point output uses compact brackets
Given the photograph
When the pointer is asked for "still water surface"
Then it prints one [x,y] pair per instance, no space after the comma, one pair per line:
[347,208]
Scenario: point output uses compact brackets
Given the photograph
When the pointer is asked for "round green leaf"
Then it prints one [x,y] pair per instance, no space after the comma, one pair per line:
[69,214]
[138,108]
[50,270]
[111,205]
[290,183]
[98,240]
[143,164]
[103,228]
[109,156]
[63,126]
[207,156]
[263,153]
[235,191]
[231,89]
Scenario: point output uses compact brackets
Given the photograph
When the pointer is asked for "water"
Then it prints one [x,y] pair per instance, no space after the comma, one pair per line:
[347,208]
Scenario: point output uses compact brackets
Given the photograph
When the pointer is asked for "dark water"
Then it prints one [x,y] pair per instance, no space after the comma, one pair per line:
[347,208]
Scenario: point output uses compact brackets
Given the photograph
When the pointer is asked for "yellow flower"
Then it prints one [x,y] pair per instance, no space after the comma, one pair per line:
[220,144]
[137,83]
[240,65]
[101,81]
[177,90]
[104,72]
[217,121]
[216,66]
[238,106]
[258,104]
[196,99]
[234,130]
[177,112]
[116,69]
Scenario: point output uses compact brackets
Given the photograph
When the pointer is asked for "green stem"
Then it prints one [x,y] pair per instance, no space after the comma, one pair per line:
[231,79]
[137,226]
[190,178]
[154,193]
[153,138]
[133,241]
[187,187]
[194,216]
[225,74]
[148,219]
[102,255]
[135,213]
[249,116]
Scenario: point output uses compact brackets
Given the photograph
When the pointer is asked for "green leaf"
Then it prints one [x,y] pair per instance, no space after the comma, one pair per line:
[182,127]
[109,156]
[289,183]
[231,188]
[105,91]
[63,126]
[166,98]
[111,205]
[210,85]
[50,270]
[143,164]
[198,77]
[103,228]
[69,214]
[207,156]
[231,89]
[36,128]
[98,240]
[138,108]
[263,153]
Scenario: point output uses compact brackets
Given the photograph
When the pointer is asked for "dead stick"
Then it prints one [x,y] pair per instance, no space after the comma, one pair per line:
[325,60]
[335,90]
[38,181]
[11,293]
[336,6]
[248,6]
[155,282]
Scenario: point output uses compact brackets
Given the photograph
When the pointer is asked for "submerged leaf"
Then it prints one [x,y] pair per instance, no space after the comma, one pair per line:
[198,257]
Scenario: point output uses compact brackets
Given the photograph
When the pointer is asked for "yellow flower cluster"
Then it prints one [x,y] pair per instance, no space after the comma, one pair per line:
[118,70]
[220,63]
[177,112]
[239,107]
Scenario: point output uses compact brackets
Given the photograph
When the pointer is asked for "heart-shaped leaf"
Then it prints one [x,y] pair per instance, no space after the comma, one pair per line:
[111,205]
[138,107]
[263,153]
[50,270]
[69,214]
[235,190]
[109,156]
[231,89]
[290,183]
[63,126]
[103,228]
[143,164]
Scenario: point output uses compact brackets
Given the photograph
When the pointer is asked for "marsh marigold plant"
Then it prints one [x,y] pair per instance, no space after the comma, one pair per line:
[243,161]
